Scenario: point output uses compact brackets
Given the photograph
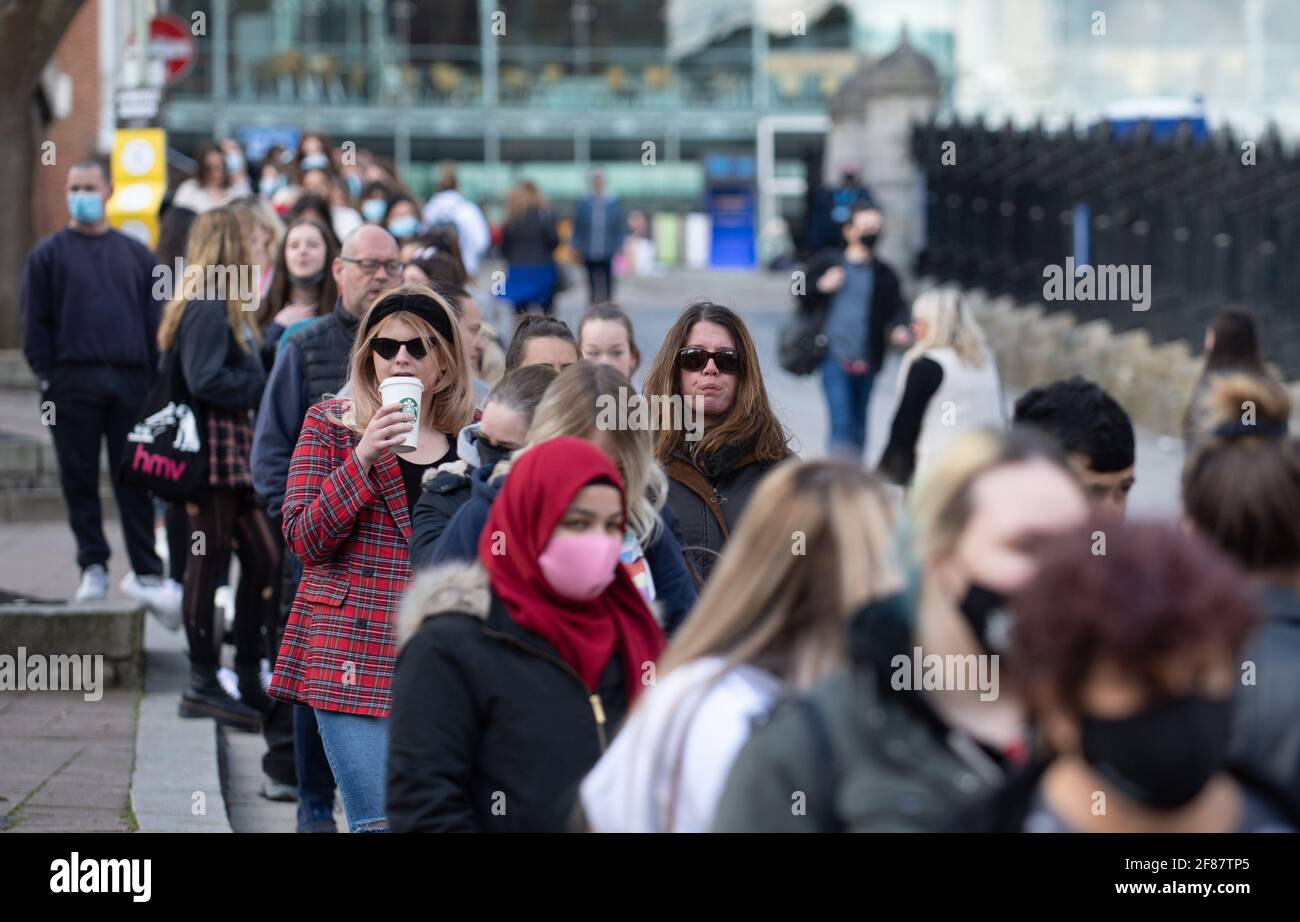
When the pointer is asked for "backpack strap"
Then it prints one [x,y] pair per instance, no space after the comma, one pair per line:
[825,766]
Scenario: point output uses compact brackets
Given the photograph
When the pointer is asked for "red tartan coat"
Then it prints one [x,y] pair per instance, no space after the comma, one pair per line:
[351,532]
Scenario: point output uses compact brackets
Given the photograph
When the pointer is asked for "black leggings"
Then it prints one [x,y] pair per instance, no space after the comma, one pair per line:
[227,518]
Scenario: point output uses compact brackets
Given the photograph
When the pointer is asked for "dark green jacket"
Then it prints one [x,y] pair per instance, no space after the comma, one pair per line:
[886,762]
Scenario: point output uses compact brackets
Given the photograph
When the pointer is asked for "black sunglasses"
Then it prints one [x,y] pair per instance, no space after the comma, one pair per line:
[387,348]
[693,358]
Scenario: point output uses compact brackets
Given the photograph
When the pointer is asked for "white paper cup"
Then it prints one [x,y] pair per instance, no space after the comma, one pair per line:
[405,390]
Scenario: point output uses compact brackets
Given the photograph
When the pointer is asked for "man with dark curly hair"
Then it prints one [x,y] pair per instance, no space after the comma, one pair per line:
[1094,431]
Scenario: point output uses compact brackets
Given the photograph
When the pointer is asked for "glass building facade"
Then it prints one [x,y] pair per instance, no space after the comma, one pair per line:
[495,84]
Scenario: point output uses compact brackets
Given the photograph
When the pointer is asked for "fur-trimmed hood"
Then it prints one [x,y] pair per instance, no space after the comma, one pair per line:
[458,586]
[458,468]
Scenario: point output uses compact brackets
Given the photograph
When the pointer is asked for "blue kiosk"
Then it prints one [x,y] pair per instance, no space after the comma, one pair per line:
[730,199]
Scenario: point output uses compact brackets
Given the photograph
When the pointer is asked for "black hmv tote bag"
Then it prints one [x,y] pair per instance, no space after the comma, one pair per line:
[166,452]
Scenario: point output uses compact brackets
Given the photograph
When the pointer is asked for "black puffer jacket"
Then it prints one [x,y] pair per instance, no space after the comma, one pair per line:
[449,488]
[707,498]
[491,731]
[1266,729]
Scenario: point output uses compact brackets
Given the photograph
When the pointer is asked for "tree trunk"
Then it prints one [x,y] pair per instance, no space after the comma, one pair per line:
[30,30]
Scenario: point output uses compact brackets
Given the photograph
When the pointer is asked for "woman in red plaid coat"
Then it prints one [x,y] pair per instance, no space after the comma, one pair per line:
[346,514]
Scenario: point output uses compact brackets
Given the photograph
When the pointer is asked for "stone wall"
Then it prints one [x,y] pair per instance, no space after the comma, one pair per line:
[1152,381]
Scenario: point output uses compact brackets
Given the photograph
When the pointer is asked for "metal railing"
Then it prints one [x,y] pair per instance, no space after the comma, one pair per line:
[1214,224]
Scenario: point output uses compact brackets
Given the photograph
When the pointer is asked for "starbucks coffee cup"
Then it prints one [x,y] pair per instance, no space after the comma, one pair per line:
[405,390]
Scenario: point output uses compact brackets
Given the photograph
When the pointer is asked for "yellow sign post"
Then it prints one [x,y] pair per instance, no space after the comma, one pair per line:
[139,182]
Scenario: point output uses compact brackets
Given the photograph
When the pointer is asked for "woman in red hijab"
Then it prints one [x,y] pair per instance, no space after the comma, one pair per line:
[516,671]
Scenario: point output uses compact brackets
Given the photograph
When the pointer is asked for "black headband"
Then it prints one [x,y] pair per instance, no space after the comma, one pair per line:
[422,306]
[1241,430]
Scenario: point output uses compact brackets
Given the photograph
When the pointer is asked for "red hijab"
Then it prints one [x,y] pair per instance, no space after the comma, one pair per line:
[541,485]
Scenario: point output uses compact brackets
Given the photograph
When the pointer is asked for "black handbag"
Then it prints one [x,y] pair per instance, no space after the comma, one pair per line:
[801,344]
[167,451]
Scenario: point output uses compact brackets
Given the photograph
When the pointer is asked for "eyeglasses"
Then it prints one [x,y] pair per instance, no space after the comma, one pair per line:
[693,358]
[387,348]
[394,267]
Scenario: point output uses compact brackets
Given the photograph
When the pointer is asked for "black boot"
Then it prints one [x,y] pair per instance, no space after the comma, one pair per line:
[250,687]
[206,698]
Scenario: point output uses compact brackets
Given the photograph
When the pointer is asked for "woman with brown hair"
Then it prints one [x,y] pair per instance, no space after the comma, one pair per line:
[1231,347]
[1241,490]
[347,515]
[717,435]
[605,336]
[527,243]
[777,617]
[217,348]
[302,288]
[211,185]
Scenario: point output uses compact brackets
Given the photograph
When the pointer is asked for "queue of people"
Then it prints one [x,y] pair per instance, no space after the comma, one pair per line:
[487,607]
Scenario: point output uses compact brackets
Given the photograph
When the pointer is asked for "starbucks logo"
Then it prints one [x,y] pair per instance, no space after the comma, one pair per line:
[410,406]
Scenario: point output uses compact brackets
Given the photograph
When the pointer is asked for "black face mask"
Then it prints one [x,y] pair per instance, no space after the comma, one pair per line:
[868,240]
[488,453]
[1163,756]
[307,281]
[987,613]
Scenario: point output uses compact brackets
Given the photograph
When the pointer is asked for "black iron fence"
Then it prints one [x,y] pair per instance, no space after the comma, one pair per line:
[1209,221]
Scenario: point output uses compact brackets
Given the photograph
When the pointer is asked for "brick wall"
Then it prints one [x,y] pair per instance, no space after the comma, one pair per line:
[75,137]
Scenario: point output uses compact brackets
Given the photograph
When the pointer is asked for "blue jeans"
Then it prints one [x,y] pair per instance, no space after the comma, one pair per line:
[357,749]
[847,399]
[315,780]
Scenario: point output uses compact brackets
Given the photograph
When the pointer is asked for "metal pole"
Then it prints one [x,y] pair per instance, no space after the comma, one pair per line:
[490,62]
[402,124]
[582,145]
[220,76]
[758,44]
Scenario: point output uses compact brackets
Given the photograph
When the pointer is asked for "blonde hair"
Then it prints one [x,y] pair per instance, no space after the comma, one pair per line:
[781,607]
[940,504]
[521,198]
[255,211]
[452,404]
[948,324]
[571,407]
[216,240]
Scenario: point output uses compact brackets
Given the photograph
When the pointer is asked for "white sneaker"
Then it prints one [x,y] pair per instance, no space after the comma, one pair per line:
[229,681]
[94,584]
[161,597]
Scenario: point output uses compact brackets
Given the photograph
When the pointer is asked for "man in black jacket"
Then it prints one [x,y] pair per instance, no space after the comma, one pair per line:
[90,325]
[311,363]
[860,300]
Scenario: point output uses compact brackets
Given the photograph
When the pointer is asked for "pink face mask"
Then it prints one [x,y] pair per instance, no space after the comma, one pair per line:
[580,567]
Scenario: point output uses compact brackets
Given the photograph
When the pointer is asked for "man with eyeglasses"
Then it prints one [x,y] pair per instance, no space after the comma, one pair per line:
[311,363]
